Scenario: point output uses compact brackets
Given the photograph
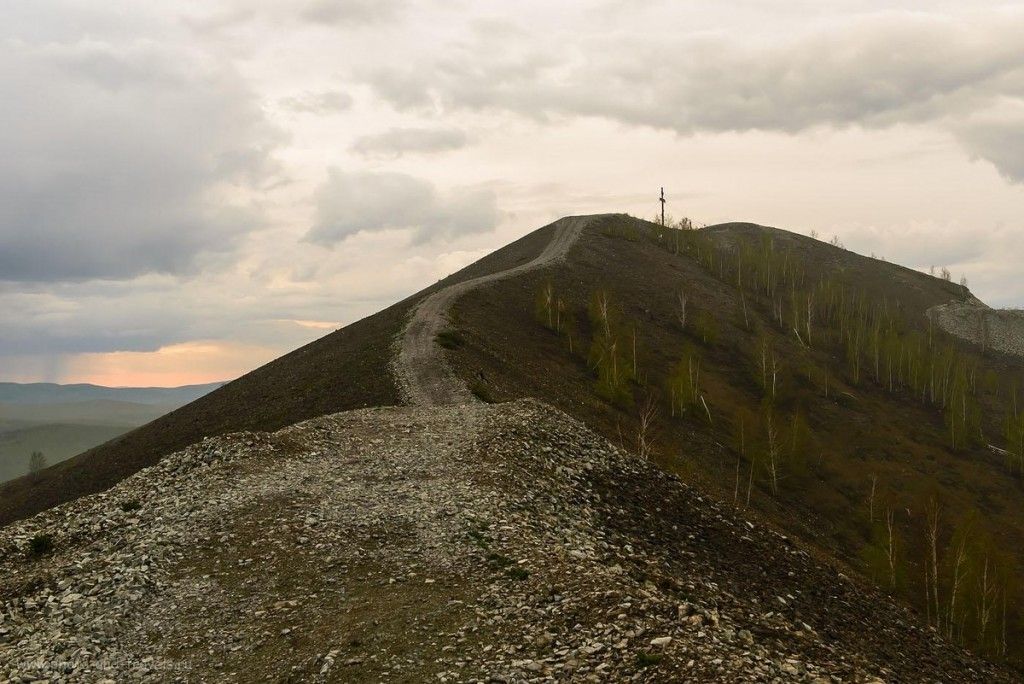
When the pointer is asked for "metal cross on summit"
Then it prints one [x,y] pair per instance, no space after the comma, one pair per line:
[662,200]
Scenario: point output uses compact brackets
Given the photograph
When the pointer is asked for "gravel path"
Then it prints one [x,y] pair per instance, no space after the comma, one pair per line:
[423,375]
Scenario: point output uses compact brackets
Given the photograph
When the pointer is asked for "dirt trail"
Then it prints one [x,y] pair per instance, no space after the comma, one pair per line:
[420,369]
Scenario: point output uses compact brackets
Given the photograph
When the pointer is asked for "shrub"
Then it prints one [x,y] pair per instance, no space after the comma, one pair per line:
[518,573]
[40,544]
[449,339]
[644,659]
[36,462]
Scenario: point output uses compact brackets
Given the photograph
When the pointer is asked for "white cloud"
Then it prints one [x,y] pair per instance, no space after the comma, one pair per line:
[145,202]
[395,142]
[998,137]
[352,11]
[323,102]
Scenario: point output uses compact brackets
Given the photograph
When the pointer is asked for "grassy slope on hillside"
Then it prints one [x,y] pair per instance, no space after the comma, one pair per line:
[858,434]
[57,441]
[344,370]
[93,412]
[48,393]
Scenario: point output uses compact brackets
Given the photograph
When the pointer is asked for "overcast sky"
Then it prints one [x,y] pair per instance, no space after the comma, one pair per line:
[190,189]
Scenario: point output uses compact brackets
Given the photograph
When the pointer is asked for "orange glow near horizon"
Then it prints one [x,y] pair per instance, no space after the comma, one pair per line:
[188,363]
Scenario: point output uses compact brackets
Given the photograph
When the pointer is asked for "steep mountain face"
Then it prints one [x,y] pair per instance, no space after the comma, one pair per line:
[458,543]
[798,385]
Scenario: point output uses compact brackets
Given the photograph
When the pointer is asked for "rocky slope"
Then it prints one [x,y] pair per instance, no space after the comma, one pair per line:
[999,329]
[471,543]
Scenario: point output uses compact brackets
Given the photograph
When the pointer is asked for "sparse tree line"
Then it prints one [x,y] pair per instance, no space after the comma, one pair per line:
[961,580]
[1013,428]
[872,338]
[948,565]
[771,443]
[941,560]
[967,583]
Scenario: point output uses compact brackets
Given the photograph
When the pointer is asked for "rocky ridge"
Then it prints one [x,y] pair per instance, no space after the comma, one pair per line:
[502,543]
[998,329]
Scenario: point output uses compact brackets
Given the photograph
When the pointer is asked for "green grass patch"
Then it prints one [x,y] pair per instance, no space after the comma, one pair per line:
[450,339]
[644,659]
[40,544]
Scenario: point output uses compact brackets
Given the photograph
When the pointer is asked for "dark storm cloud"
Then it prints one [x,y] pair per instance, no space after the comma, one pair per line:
[349,203]
[115,158]
[396,142]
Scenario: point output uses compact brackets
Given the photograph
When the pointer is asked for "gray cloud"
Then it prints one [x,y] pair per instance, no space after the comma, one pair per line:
[1000,141]
[231,15]
[871,72]
[324,102]
[352,11]
[394,143]
[349,203]
[116,158]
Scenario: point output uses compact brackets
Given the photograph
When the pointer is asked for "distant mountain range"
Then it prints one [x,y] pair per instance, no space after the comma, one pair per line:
[51,393]
[63,420]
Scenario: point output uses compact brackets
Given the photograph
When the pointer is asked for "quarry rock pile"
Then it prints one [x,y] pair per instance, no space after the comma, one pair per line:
[482,543]
[998,329]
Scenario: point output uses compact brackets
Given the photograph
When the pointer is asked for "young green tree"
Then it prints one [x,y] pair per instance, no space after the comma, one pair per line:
[36,462]
[612,351]
[646,418]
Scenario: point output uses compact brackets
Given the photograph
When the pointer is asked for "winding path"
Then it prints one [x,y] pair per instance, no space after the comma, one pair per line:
[421,371]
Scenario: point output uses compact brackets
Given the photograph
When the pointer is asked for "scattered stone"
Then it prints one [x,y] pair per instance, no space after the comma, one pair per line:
[500,543]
